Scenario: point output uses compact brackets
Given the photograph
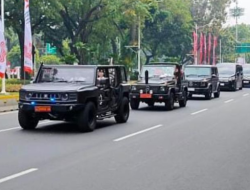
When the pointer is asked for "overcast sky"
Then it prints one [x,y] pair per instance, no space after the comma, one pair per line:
[244,19]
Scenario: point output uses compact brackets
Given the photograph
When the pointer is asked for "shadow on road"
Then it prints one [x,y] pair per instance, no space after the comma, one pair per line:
[67,128]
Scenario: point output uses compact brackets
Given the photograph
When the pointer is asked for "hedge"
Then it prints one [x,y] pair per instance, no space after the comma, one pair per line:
[14,81]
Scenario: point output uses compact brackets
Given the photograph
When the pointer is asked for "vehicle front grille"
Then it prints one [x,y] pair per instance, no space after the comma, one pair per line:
[197,84]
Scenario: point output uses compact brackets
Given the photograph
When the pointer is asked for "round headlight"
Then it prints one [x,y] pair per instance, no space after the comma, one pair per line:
[162,88]
[65,97]
[28,96]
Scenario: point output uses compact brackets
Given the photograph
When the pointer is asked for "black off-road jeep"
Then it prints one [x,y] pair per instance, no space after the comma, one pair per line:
[160,82]
[80,94]
[203,79]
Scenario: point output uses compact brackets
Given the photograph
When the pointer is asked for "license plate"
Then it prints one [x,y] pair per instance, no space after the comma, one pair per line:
[42,109]
[145,96]
[222,84]
[191,89]
[246,81]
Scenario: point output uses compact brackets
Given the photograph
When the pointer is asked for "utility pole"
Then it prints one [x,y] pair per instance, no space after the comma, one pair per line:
[196,52]
[139,46]
[220,52]
[2,18]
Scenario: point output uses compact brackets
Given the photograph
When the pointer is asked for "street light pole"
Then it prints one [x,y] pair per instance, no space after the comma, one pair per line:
[2,18]
[196,52]
[139,45]
[220,52]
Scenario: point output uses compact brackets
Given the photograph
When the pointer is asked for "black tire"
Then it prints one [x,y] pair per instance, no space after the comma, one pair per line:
[134,103]
[241,86]
[151,104]
[208,95]
[87,118]
[123,111]
[183,102]
[169,105]
[234,88]
[26,120]
[190,96]
[217,94]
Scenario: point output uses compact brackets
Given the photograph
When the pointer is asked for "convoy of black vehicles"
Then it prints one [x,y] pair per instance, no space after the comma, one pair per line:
[230,76]
[160,82]
[85,94]
[81,94]
[202,80]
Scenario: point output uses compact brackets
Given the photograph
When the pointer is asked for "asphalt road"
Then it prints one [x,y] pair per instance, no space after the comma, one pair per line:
[204,146]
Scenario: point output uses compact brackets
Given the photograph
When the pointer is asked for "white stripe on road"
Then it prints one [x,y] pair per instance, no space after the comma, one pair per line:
[137,133]
[246,95]
[6,113]
[15,128]
[18,175]
[229,101]
[195,113]
[10,129]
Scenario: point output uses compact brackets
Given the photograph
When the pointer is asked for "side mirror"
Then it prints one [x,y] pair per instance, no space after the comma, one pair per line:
[214,76]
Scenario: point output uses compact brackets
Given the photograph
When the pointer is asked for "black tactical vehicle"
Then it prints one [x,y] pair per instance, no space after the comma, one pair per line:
[80,94]
[203,80]
[160,82]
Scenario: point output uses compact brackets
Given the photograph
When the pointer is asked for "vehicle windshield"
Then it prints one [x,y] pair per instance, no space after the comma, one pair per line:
[197,72]
[67,75]
[226,69]
[163,71]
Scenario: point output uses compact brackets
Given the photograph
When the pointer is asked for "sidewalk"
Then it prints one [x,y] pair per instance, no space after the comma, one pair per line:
[8,103]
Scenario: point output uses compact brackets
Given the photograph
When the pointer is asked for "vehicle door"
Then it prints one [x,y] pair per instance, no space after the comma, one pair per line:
[241,76]
[115,88]
[238,76]
[104,89]
[214,79]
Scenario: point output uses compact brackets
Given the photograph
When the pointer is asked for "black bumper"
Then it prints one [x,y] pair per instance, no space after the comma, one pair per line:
[246,83]
[198,90]
[154,97]
[55,108]
[227,85]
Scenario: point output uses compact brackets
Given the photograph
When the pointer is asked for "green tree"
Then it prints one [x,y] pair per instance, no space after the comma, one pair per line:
[49,59]
[14,56]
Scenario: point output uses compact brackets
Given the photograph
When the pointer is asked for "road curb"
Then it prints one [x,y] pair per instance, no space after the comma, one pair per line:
[9,103]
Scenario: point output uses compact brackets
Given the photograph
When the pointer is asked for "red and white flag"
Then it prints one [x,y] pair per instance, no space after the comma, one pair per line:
[3,52]
[209,48]
[205,48]
[214,48]
[201,48]
[28,64]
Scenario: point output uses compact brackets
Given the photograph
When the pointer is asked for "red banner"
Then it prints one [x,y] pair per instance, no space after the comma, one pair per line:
[205,48]
[201,48]
[209,48]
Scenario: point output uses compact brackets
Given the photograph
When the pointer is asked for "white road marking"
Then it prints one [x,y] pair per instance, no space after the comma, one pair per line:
[246,95]
[229,101]
[137,133]
[6,113]
[17,175]
[15,128]
[195,113]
